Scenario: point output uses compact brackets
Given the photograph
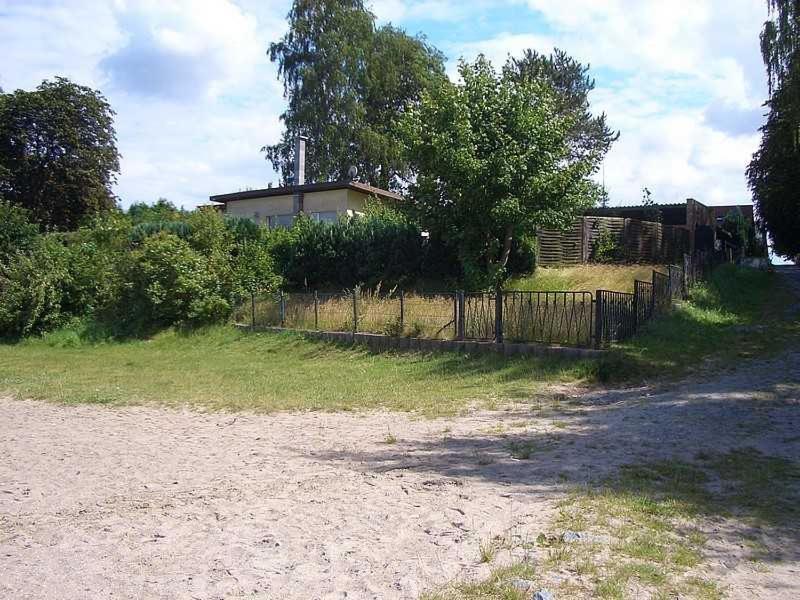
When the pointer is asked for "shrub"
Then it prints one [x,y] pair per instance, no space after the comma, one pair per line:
[17,233]
[32,288]
[169,283]
[607,248]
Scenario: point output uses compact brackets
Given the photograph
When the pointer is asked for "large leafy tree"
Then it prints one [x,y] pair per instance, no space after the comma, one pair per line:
[58,154]
[347,83]
[774,172]
[495,161]
[589,134]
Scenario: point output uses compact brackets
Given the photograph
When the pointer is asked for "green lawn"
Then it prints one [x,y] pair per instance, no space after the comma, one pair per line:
[740,313]
[223,368]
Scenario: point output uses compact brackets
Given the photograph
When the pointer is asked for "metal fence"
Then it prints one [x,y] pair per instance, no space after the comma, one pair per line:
[579,319]
[620,315]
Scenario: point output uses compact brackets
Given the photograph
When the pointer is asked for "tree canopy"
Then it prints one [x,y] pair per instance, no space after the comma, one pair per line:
[58,154]
[347,83]
[495,160]
[774,172]
[589,135]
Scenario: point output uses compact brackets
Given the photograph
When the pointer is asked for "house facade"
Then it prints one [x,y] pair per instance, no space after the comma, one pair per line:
[279,206]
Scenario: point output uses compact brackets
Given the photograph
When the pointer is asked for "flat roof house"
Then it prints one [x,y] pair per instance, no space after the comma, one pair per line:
[278,207]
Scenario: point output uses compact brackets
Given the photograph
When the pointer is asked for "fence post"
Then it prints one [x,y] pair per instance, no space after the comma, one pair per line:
[461,323]
[355,310]
[402,312]
[636,288]
[498,315]
[282,309]
[252,311]
[316,310]
[598,319]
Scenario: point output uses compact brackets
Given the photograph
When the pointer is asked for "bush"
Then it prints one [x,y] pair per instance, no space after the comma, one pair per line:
[380,246]
[607,248]
[33,288]
[169,283]
[17,233]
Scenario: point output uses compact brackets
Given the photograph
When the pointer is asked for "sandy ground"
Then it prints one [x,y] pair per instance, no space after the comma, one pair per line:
[99,502]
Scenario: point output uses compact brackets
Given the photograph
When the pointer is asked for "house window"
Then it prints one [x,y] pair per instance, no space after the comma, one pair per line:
[328,216]
[257,217]
[284,221]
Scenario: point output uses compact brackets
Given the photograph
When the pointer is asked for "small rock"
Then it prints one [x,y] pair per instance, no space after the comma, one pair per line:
[543,595]
[522,585]
[569,537]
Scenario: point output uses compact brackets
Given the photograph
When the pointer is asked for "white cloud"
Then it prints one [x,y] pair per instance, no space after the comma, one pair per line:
[196,96]
[681,81]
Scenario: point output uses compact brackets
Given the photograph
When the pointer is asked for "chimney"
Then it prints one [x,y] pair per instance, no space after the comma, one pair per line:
[300,160]
[299,172]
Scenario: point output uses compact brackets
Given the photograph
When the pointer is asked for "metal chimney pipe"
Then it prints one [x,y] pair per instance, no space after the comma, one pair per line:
[299,173]
[300,160]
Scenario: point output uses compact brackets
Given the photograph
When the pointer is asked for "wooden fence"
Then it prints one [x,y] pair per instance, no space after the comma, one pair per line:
[638,241]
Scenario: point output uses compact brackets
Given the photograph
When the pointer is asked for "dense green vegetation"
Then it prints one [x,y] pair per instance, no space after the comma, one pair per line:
[128,279]
[774,172]
[58,153]
[495,159]
[346,81]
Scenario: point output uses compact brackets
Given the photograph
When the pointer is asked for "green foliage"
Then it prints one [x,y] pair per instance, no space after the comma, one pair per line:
[494,160]
[162,210]
[774,172]
[347,82]
[166,283]
[32,288]
[589,135]
[17,233]
[58,154]
[146,229]
[379,246]
[606,247]
[131,279]
[738,228]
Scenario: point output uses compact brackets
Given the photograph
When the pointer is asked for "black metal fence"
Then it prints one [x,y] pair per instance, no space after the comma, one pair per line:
[579,319]
[621,315]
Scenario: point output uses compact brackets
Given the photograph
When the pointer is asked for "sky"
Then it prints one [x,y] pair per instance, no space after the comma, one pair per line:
[196,96]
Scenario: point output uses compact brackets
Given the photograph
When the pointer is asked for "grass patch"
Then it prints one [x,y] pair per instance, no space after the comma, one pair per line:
[498,586]
[223,368]
[739,313]
[588,278]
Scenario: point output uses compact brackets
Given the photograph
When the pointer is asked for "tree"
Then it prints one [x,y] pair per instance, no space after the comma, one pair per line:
[494,162]
[163,210]
[347,83]
[774,172]
[589,135]
[58,154]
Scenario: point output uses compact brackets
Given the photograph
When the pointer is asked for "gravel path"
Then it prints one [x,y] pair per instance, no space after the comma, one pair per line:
[137,502]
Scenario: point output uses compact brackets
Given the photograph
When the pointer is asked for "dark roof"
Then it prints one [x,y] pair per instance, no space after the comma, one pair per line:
[307,188]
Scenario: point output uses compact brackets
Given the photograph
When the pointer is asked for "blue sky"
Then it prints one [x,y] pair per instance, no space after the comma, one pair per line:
[196,96]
